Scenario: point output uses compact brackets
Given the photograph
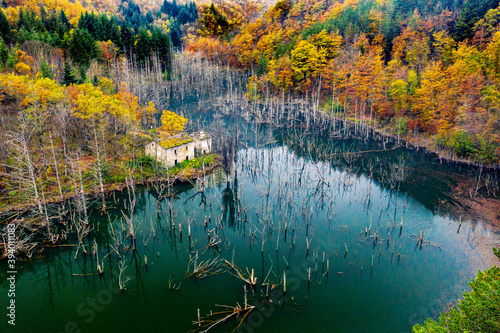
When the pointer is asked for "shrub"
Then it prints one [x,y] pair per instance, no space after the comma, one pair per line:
[143,160]
[480,148]
[192,164]
[463,144]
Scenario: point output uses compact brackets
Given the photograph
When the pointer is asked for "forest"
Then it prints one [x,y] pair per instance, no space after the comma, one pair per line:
[426,71]
[61,89]
[85,85]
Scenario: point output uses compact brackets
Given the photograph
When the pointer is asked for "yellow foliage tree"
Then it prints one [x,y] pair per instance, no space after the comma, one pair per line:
[330,43]
[306,60]
[493,56]
[149,111]
[22,68]
[90,102]
[24,63]
[280,73]
[171,124]
[27,91]
[128,110]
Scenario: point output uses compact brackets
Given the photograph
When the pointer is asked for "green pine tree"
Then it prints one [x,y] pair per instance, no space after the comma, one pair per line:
[63,21]
[4,52]
[262,65]
[83,75]
[143,46]
[472,11]
[5,32]
[45,69]
[82,47]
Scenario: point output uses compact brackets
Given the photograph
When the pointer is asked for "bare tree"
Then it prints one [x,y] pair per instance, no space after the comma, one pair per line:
[25,170]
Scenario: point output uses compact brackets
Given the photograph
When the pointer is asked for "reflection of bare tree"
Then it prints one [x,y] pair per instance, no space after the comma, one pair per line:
[228,153]
[394,174]
[130,207]
[22,241]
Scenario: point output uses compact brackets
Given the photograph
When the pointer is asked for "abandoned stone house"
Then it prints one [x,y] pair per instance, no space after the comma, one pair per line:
[180,148]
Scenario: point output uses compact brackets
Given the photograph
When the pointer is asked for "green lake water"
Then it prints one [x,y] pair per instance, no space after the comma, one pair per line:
[379,285]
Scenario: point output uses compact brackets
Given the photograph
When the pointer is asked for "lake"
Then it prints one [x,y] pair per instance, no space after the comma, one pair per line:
[342,226]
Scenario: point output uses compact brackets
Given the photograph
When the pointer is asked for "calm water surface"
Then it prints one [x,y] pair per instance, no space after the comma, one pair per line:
[280,197]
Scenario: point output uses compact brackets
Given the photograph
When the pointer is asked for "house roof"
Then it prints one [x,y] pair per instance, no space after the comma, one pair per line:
[181,139]
[200,135]
[174,141]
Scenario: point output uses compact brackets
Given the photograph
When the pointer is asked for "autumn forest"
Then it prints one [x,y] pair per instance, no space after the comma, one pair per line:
[423,69]
[85,85]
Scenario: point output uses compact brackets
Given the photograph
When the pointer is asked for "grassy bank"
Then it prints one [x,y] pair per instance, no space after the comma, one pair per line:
[114,175]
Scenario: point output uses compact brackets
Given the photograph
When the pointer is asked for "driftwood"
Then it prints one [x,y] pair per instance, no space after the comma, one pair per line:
[248,279]
[421,240]
[205,324]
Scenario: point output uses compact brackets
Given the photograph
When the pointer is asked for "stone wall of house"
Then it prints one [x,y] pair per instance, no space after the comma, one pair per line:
[203,146]
[173,155]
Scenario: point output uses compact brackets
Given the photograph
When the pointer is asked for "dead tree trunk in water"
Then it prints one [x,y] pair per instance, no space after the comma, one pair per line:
[129,218]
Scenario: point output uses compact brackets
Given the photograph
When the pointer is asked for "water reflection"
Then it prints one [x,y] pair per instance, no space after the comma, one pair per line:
[301,205]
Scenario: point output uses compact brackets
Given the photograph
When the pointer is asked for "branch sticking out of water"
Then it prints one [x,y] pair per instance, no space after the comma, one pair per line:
[248,278]
[204,268]
[206,324]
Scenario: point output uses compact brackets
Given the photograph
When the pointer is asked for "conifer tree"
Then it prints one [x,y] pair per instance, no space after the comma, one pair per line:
[143,46]
[4,52]
[82,47]
[45,69]
[68,75]
[4,28]
[161,46]
[63,20]
[472,11]
[126,38]
[83,75]
[175,34]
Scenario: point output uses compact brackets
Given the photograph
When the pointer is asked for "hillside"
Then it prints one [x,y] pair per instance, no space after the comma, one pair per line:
[315,109]
[426,71]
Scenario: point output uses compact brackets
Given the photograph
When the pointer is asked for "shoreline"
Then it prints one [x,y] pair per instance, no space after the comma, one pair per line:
[476,208]
[419,143]
[109,188]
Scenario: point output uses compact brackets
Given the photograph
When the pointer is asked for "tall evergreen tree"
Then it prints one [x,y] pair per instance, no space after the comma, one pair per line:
[82,47]
[83,75]
[68,75]
[63,20]
[114,33]
[161,47]
[175,34]
[184,16]
[143,46]
[43,16]
[4,28]
[45,69]
[127,39]
[149,17]
[89,22]
[4,52]
[103,28]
